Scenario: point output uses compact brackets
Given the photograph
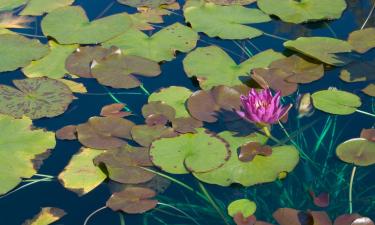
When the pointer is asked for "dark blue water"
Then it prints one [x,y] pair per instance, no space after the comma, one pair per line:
[22,205]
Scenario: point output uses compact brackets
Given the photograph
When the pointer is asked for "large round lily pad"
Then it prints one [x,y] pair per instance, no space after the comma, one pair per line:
[199,152]
[243,206]
[17,51]
[300,11]
[359,151]
[39,7]
[158,47]
[19,149]
[336,101]
[70,25]
[35,98]
[225,22]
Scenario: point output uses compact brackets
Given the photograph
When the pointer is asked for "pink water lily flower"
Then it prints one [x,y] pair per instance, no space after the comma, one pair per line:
[262,108]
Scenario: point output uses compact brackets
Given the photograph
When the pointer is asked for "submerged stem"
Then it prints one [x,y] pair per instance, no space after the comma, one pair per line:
[180,211]
[144,89]
[122,219]
[365,113]
[92,214]
[26,185]
[351,190]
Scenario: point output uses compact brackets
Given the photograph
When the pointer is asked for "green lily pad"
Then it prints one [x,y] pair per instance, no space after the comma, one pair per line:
[362,40]
[336,101]
[8,5]
[40,7]
[173,96]
[199,152]
[261,169]
[47,215]
[70,25]
[158,47]
[369,90]
[243,206]
[146,3]
[323,49]
[35,98]
[17,51]
[16,159]
[225,22]
[294,11]
[81,175]
[222,69]
[232,2]
[359,151]
[51,65]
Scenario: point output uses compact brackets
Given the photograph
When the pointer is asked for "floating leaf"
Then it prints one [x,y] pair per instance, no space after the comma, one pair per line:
[74,86]
[359,71]
[336,101]
[346,219]
[186,125]
[358,151]
[323,49]
[70,25]
[16,159]
[8,5]
[288,216]
[40,7]
[118,70]
[51,65]
[223,70]
[368,134]
[303,11]
[47,215]
[8,20]
[225,22]
[363,221]
[252,149]
[146,3]
[239,219]
[199,152]
[243,206]
[114,110]
[144,19]
[152,109]
[81,175]
[17,51]
[145,135]
[276,80]
[35,98]
[362,40]
[232,2]
[321,200]
[67,133]
[133,200]
[369,90]
[159,47]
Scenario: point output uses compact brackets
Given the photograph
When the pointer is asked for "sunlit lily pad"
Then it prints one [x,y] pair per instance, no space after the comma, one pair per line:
[362,40]
[357,71]
[17,51]
[225,22]
[70,25]
[146,3]
[295,11]
[81,175]
[118,70]
[158,47]
[199,152]
[369,90]
[243,206]
[324,49]
[261,169]
[359,151]
[7,5]
[35,98]
[336,101]
[223,70]
[39,7]
[16,159]
[47,215]
[51,65]
[74,86]
[145,135]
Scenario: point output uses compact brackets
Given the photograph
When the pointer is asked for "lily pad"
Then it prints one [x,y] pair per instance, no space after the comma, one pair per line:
[261,169]
[225,22]
[74,86]
[368,134]
[146,3]
[161,46]
[362,40]
[250,150]
[118,70]
[35,97]
[294,11]
[17,51]
[40,7]
[369,90]
[47,215]
[186,125]
[70,25]
[223,70]
[114,110]
[336,101]
[363,221]
[51,65]
[323,49]
[243,206]
[232,2]
[276,80]
[357,71]
[145,135]
[14,157]
[359,151]
[81,175]
[199,152]
[8,5]
[158,108]
[67,133]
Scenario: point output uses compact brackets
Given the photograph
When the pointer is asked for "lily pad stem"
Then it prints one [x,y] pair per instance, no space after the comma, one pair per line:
[92,214]
[144,90]
[351,190]
[26,185]
[122,219]
[365,113]
[275,36]
[180,211]
[118,101]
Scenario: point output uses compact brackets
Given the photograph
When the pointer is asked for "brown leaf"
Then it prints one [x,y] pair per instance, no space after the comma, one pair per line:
[239,219]
[322,200]
[67,133]
[145,135]
[8,20]
[368,134]
[114,110]
[251,149]
[186,125]
[346,219]
[158,108]
[276,80]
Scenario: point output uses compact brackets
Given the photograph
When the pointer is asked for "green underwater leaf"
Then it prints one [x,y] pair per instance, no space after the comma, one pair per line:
[35,98]
[46,216]
[81,175]
[358,151]
[70,25]
[261,169]
[40,7]
[51,65]
[199,152]
[243,206]
[145,3]
[324,49]
[225,22]
[362,40]
[16,159]
[8,5]
[336,101]
[295,11]
[213,66]
[17,51]
[158,47]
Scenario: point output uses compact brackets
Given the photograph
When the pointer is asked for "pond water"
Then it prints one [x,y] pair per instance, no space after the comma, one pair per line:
[316,136]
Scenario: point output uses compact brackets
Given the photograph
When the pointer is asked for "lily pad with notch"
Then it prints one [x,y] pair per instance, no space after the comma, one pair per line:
[358,151]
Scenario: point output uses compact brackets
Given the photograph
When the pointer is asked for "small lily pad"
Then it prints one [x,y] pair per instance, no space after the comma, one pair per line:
[363,221]
[250,150]
[40,7]
[67,133]
[243,206]
[359,151]
[369,90]
[362,40]
[47,215]
[114,110]
[368,134]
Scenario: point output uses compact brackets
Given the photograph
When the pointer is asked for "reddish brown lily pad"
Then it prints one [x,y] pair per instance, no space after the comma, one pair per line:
[369,90]
[145,135]
[67,133]
[251,149]
[114,110]
[368,134]
[150,110]
[322,200]
[239,219]
[185,125]
[156,119]
[346,219]
[363,221]
[275,79]
[133,200]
